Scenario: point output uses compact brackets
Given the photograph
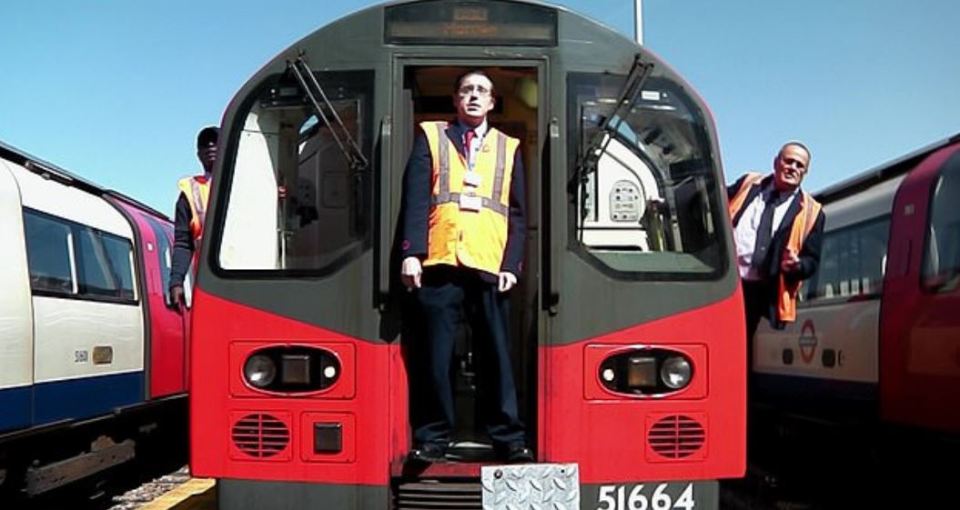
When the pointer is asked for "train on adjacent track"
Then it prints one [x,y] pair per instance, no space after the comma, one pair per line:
[627,323]
[93,368]
[874,356]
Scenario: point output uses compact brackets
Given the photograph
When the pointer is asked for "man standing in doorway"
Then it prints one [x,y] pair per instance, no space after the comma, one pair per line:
[190,212]
[778,229]
[464,229]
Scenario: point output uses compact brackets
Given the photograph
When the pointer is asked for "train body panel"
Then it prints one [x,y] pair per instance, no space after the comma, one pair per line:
[85,339]
[229,451]
[834,341]
[595,430]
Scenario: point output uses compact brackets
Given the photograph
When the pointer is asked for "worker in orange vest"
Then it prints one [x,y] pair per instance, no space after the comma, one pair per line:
[463,230]
[190,212]
[778,230]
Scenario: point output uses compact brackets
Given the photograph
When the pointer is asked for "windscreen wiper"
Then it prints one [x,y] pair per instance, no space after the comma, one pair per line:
[308,81]
[632,87]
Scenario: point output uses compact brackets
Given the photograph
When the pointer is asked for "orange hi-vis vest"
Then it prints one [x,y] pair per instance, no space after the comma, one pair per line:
[197,191]
[468,219]
[803,224]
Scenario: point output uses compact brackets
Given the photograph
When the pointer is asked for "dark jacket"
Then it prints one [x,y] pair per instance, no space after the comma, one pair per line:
[182,242]
[415,205]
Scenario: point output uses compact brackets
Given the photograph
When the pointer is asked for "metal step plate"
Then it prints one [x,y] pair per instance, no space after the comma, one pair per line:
[526,486]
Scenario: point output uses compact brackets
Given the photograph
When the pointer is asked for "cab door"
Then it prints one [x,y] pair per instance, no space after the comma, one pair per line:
[285,322]
[638,281]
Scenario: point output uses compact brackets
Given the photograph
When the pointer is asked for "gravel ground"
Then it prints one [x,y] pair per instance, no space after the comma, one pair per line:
[151,490]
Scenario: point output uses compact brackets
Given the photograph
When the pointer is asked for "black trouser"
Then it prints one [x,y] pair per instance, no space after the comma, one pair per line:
[445,295]
[756,300]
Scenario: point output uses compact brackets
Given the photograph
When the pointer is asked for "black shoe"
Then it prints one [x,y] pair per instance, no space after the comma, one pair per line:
[518,454]
[428,453]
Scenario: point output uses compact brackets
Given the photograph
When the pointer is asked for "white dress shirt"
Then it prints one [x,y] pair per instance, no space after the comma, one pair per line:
[745,233]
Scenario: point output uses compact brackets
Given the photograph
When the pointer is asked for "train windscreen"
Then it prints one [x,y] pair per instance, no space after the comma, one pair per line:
[319,216]
[646,207]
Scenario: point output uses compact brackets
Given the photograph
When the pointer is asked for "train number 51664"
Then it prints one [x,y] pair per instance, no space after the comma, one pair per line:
[643,497]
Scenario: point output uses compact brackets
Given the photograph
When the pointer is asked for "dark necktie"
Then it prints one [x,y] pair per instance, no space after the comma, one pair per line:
[764,230]
[467,141]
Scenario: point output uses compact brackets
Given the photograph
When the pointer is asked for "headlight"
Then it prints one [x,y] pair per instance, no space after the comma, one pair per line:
[646,371]
[260,370]
[675,372]
[292,369]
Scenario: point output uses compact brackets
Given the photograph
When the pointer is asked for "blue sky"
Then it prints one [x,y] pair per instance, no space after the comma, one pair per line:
[115,90]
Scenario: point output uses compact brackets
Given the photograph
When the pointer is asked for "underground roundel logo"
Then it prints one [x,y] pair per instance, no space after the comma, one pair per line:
[807,341]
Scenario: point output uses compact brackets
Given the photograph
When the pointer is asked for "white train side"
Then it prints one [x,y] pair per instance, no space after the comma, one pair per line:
[78,380]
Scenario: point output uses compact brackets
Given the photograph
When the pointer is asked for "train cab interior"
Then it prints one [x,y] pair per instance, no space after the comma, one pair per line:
[427,95]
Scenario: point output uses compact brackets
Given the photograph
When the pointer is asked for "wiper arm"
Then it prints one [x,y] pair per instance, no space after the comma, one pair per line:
[308,81]
[632,87]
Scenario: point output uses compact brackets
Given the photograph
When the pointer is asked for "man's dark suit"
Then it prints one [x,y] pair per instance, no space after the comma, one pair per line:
[444,289]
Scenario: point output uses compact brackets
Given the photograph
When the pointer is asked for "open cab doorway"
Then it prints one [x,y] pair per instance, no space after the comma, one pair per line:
[427,95]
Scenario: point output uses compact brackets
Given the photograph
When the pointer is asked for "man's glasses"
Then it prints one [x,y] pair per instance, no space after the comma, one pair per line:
[469,90]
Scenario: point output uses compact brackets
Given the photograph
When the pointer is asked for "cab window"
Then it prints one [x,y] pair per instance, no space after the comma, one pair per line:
[297,202]
[650,208]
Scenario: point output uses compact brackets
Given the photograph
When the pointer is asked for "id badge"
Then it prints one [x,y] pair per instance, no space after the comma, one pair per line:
[472,178]
[470,203]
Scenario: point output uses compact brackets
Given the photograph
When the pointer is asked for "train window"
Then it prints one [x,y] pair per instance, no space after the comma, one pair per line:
[941,260]
[647,208]
[105,266]
[120,255]
[299,201]
[852,262]
[49,254]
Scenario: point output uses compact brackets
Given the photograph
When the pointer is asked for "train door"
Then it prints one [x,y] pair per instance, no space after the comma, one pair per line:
[635,254]
[168,328]
[921,296]
[284,314]
[426,94]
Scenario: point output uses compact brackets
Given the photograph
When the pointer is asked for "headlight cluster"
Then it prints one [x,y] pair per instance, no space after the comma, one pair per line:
[291,369]
[646,371]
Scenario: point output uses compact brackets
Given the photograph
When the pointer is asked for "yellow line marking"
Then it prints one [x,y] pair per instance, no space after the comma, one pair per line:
[174,497]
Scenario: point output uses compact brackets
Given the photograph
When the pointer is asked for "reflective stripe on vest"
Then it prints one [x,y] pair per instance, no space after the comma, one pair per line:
[803,224]
[197,191]
[475,239]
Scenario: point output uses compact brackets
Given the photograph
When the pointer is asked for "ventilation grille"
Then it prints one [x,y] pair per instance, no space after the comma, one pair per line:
[676,436]
[260,435]
[438,496]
